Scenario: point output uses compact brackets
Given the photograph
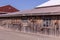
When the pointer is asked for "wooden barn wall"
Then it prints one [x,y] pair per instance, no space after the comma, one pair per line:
[32,24]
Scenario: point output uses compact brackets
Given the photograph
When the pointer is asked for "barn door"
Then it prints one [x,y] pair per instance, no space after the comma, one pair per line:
[46,24]
[56,25]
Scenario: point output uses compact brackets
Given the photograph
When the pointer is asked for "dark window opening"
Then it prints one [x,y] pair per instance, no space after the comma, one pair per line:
[2,13]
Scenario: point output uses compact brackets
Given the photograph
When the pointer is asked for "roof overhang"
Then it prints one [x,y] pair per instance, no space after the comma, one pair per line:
[29,14]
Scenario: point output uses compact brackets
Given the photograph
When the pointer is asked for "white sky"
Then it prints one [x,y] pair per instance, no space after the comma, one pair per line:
[50,3]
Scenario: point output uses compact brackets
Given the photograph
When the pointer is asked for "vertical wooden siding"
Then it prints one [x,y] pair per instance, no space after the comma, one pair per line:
[32,25]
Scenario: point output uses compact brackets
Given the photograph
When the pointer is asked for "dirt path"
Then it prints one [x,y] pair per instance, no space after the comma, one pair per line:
[10,35]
